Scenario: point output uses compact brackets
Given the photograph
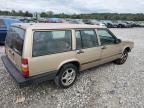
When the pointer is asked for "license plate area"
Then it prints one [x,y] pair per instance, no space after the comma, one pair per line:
[11,55]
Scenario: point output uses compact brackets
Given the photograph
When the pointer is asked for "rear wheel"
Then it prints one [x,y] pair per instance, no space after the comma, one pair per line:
[67,76]
[123,58]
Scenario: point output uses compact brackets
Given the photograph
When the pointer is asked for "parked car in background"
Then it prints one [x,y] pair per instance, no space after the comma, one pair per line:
[80,21]
[54,20]
[87,21]
[28,20]
[4,25]
[63,50]
[122,24]
[140,24]
[135,24]
[74,21]
[119,24]
[108,23]
[96,22]
[130,24]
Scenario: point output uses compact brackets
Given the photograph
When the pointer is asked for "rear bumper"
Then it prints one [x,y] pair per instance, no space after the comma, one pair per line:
[21,81]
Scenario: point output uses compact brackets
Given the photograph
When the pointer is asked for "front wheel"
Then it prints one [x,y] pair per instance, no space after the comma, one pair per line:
[67,76]
[123,58]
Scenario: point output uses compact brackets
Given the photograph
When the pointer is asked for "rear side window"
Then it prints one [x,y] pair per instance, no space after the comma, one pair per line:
[86,39]
[50,42]
[15,39]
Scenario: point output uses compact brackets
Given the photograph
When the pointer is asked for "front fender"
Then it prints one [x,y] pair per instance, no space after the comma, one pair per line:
[127,44]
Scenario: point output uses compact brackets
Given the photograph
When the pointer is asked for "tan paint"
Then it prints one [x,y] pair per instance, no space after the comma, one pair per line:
[90,58]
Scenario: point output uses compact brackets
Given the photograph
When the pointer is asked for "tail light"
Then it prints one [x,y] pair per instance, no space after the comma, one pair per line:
[25,68]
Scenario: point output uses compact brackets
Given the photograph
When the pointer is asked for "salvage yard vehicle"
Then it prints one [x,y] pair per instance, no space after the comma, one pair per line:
[4,25]
[39,52]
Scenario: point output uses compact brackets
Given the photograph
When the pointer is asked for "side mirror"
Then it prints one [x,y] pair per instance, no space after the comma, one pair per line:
[117,41]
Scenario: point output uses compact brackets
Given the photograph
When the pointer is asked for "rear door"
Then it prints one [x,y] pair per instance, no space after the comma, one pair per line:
[14,45]
[87,48]
[110,49]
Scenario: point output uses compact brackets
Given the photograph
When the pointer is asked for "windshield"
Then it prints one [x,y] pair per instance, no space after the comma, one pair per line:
[15,39]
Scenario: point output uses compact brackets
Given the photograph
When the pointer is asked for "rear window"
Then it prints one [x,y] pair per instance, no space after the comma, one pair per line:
[51,42]
[15,39]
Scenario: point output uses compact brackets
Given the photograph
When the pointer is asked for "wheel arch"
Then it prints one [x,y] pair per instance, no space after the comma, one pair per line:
[74,61]
[127,48]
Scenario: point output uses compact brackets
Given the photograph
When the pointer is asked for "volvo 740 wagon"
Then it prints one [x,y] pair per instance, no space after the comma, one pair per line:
[40,52]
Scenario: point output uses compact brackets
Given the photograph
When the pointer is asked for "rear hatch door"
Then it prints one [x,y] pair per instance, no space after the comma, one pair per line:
[14,45]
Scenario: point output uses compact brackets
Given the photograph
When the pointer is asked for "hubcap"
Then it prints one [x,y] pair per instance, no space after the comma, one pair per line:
[68,76]
[124,57]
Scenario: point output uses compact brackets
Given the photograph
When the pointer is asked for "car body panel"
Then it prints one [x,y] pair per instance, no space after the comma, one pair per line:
[127,44]
[110,53]
[42,64]
[12,53]
[89,58]
[14,57]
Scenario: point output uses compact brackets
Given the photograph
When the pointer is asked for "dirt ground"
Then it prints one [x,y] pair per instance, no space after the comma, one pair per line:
[106,86]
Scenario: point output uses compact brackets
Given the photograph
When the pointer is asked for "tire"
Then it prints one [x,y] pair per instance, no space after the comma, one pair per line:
[123,58]
[67,76]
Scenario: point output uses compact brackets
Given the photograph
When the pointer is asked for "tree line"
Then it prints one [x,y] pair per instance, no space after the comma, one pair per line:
[99,16]
[15,13]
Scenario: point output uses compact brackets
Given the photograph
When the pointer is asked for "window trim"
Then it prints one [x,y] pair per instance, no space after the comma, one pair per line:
[109,33]
[47,30]
[93,29]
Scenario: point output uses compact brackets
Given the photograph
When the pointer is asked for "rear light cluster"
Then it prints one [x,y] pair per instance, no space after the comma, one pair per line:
[25,68]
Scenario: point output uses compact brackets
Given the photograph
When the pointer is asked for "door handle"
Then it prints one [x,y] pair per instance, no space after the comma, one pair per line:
[103,47]
[79,51]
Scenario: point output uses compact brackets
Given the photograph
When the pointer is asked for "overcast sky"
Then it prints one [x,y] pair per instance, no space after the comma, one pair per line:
[75,6]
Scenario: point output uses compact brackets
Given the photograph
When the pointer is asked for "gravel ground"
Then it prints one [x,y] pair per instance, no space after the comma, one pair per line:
[107,86]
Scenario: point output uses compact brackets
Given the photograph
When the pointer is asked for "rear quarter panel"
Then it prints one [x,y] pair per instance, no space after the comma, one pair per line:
[49,63]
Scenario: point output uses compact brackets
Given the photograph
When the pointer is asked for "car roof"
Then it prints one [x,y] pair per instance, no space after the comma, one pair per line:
[41,26]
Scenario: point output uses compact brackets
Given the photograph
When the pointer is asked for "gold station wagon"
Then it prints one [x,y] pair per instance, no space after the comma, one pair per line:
[40,52]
